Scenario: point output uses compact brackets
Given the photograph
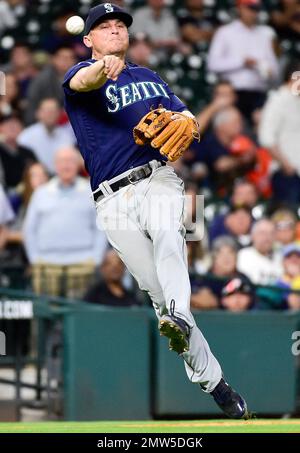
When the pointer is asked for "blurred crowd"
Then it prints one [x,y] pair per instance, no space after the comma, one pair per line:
[236,65]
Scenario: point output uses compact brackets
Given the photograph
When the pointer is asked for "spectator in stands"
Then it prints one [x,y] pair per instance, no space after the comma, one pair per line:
[223,96]
[6,216]
[242,51]
[257,163]
[215,149]
[198,256]
[158,23]
[230,154]
[244,194]
[235,223]
[21,65]
[59,36]
[10,102]
[7,17]
[207,289]
[141,51]
[110,289]
[46,136]
[61,239]
[238,295]
[285,222]
[34,176]
[286,20]
[280,133]
[291,277]
[13,157]
[260,263]
[47,84]
[195,28]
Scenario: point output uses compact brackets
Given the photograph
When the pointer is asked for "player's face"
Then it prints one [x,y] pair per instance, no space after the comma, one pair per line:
[110,37]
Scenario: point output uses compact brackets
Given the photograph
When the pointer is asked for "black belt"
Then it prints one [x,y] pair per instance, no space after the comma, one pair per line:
[134,176]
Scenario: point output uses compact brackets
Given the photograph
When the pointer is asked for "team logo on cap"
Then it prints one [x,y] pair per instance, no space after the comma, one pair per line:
[108,7]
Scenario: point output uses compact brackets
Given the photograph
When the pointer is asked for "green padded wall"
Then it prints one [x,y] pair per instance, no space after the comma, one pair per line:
[255,353]
[117,367]
[107,364]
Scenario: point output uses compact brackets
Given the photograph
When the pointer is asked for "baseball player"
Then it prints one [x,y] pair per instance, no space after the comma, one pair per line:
[139,199]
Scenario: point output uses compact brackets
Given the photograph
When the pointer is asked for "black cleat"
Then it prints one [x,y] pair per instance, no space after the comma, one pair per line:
[231,403]
[177,331]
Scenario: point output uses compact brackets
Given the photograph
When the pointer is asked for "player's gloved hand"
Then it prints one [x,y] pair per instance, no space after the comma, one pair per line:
[113,66]
[170,132]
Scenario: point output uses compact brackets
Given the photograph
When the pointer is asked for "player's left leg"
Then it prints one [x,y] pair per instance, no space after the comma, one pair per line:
[162,210]
[161,215]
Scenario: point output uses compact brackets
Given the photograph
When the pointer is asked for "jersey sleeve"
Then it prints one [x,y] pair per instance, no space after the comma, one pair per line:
[175,103]
[71,72]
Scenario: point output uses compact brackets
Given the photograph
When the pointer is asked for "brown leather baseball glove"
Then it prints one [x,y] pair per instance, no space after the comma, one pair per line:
[170,132]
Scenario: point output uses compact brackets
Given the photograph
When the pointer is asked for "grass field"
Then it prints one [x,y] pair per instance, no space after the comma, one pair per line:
[186,426]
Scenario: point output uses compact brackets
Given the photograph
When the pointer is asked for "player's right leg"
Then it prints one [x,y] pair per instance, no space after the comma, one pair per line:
[118,218]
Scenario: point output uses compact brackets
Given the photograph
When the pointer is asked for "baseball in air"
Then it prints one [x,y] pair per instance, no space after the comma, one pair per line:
[75,25]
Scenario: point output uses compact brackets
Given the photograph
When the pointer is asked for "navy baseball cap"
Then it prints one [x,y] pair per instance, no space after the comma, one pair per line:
[106,11]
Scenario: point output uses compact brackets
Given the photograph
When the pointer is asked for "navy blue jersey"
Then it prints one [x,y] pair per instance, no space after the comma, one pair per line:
[103,119]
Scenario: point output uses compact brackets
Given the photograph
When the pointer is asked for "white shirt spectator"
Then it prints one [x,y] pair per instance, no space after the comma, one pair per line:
[260,269]
[60,225]
[45,143]
[233,44]
[160,28]
[6,212]
[280,124]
